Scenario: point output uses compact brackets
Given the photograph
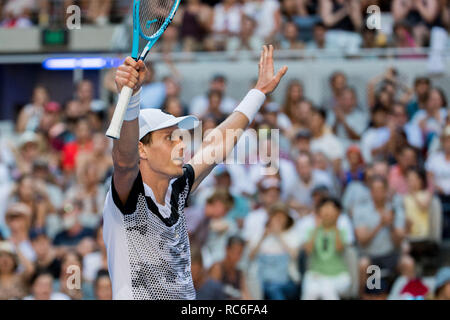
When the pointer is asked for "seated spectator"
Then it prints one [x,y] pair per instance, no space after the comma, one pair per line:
[301,143]
[18,219]
[318,41]
[83,142]
[275,251]
[406,158]
[226,22]
[99,11]
[324,140]
[194,19]
[42,288]
[85,96]
[267,15]
[17,14]
[269,190]
[300,197]
[96,261]
[247,40]
[380,230]
[375,139]
[73,231]
[293,96]
[431,120]
[355,161]
[290,39]
[343,20]
[403,38]
[422,86]
[13,280]
[70,281]
[47,260]
[348,121]
[30,115]
[337,83]
[327,276]
[103,285]
[153,92]
[199,104]
[27,151]
[206,288]
[438,171]
[228,272]
[399,118]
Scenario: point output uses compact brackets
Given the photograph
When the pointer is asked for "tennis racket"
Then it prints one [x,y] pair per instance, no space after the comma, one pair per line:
[150,20]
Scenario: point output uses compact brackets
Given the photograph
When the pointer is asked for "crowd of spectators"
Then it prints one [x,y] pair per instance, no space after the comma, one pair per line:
[360,189]
[214,25]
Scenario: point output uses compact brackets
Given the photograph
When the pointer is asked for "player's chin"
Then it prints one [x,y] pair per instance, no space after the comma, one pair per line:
[178,165]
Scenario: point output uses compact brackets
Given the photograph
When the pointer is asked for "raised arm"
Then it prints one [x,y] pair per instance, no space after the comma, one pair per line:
[125,150]
[221,141]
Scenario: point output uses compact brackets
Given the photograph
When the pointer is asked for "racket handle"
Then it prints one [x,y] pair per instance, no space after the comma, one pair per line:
[119,113]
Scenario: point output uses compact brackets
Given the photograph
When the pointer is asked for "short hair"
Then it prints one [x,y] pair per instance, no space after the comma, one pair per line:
[147,139]
[283,208]
[421,173]
[235,240]
[419,80]
[325,200]
[321,112]
[100,274]
[223,196]
[378,178]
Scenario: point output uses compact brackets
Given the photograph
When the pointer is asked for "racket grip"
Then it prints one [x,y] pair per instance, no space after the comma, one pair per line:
[117,120]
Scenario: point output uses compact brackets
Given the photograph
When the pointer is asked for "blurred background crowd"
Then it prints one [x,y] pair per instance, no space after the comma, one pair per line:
[215,25]
[358,208]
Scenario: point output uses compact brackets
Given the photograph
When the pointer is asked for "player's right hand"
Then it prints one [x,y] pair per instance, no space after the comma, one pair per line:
[130,74]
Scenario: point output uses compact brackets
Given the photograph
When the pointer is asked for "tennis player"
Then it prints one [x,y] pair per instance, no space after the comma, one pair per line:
[144,224]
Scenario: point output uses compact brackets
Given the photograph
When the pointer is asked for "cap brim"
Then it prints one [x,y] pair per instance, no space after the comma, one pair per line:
[185,123]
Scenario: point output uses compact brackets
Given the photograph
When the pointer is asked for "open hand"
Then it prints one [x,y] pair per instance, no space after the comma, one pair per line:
[130,74]
[267,81]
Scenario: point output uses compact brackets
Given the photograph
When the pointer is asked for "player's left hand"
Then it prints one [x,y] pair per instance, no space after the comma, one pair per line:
[267,81]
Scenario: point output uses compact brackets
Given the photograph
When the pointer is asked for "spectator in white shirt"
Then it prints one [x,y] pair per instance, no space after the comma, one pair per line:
[226,21]
[267,16]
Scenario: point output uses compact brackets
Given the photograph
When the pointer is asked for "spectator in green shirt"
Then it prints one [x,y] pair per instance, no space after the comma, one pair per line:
[327,276]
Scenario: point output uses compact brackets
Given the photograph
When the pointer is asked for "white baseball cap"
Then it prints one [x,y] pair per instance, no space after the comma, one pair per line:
[154,119]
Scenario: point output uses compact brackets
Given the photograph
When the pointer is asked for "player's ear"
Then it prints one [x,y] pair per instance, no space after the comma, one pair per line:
[142,151]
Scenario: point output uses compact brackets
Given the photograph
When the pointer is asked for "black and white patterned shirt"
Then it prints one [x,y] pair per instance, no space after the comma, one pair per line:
[147,243]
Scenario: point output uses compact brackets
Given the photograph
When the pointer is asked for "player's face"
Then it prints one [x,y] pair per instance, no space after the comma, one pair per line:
[165,153]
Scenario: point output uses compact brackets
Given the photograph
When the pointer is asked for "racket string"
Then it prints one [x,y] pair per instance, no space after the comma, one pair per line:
[153,14]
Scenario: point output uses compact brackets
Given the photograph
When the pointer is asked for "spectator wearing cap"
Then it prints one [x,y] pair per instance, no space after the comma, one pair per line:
[269,190]
[274,250]
[199,105]
[26,151]
[299,196]
[442,284]
[13,279]
[42,288]
[347,120]
[229,272]
[325,141]
[30,115]
[327,276]
[438,171]
[18,219]
[380,230]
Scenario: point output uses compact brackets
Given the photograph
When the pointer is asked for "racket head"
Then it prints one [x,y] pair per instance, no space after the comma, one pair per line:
[155,16]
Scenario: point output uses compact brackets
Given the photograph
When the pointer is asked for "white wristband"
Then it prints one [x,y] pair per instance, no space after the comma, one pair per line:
[134,105]
[251,104]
